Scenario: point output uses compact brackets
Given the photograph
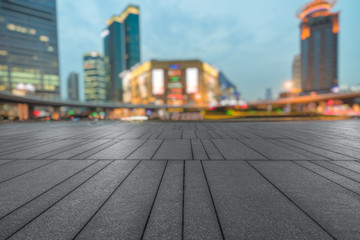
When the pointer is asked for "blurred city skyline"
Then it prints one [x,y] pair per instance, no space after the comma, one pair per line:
[254,45]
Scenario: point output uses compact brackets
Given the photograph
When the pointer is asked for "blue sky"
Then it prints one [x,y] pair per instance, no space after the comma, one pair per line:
[252,42]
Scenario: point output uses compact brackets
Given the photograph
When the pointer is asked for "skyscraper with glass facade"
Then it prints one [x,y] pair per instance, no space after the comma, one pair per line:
[319,51]
[121,48]
[29,46]
[94,75]
[73,86]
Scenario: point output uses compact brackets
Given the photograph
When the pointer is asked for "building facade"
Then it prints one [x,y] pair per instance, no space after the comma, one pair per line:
[319,46]
[296,73]
[176,83]
[268,94]
[121,48]
[94,75]
[29,48]
[73,86]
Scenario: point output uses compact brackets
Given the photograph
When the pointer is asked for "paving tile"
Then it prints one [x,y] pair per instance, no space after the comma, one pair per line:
[119,150]
[272,151]
[349,173]
[326,153]
[336,209]
[198,149]
[67,154]
[232,149]
[200,221]
[165,220]
[16,168]
[188,134]
[67,217]
[2,162]
[35,151]
[124,215]
[94,150]
[338,149]
[177,149]
[171,134]
[351,165]
[26,213]
[211,150]
[17,191]
[251,208]
[202,134]
[308,154]
[147,150]
[332,176]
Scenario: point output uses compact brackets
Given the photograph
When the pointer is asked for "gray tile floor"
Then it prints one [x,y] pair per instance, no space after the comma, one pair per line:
[180,180]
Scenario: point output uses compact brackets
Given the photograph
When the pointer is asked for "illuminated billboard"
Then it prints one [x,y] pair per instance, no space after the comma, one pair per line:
[157,81]
[192,80]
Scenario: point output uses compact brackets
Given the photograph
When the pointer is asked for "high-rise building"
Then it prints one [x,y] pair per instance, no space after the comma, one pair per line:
[94,74]
[73,86]
[29,47]
[268,94]
[319,40]
[121,48]
[296,73]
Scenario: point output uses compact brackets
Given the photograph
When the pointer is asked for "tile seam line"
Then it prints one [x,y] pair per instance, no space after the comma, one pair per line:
[183,201]
[163,140]
[328,159]
[202,144]
[62,149]
[145,141]
[341,146]
[339,166]
[115,140]
[277,143]
[320,142]
[293,202]
[55,201]
[237,139]
[6,152]
[326,149]
[192,150]
[154,200]
[213,201]
[358,194]
[10,160]
[19,175]
[210,139]
[106,200]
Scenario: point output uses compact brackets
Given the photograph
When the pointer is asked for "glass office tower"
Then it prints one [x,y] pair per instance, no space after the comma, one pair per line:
[73,86]
[121,48]
[29,47]
[319,40]
[94,74]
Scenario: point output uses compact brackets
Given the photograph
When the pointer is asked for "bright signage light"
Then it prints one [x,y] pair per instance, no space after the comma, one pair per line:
[157,81]
[192,80]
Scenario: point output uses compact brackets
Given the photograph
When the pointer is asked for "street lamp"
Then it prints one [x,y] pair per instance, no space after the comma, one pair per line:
[288,85]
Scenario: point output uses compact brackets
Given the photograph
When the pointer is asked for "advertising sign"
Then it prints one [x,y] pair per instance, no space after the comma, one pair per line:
[157,81]
[192,80]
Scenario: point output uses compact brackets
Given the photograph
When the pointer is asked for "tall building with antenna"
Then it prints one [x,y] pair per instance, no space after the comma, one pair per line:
[319,46]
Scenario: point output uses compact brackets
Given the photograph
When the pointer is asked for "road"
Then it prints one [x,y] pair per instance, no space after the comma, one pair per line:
[180,180]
